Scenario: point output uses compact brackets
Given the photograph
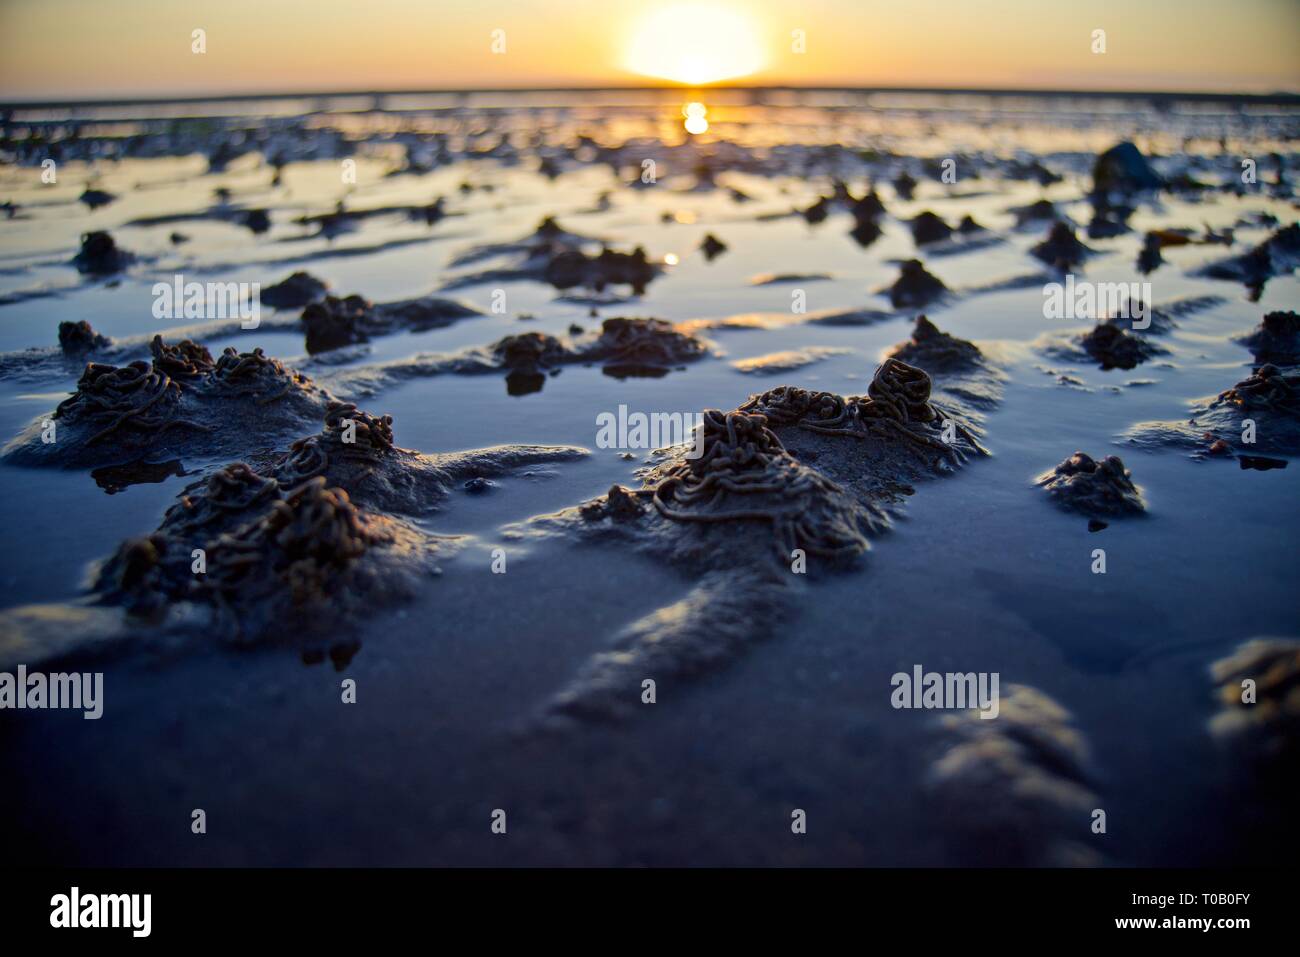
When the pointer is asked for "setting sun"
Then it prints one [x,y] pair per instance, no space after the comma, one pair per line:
[695,44]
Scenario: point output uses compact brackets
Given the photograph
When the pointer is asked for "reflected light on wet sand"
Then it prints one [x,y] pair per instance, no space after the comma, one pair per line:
[696,118]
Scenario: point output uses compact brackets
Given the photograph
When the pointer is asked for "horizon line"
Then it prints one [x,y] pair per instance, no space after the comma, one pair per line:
[1278,97]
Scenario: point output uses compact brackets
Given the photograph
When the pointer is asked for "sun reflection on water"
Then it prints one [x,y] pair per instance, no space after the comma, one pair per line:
[696,117]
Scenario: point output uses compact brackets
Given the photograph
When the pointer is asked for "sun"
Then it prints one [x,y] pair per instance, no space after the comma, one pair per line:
[694,43]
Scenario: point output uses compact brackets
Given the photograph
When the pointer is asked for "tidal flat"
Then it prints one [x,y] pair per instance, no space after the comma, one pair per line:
[367,563]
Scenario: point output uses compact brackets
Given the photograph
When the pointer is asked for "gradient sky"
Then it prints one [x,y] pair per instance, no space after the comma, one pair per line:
[51,49]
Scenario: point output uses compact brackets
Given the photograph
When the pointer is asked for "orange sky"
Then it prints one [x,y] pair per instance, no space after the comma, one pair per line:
[96,48]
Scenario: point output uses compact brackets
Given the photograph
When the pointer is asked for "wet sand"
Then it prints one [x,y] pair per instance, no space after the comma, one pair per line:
[979,570]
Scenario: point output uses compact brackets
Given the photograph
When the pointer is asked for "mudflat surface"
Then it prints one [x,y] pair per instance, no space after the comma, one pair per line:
[978,570]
